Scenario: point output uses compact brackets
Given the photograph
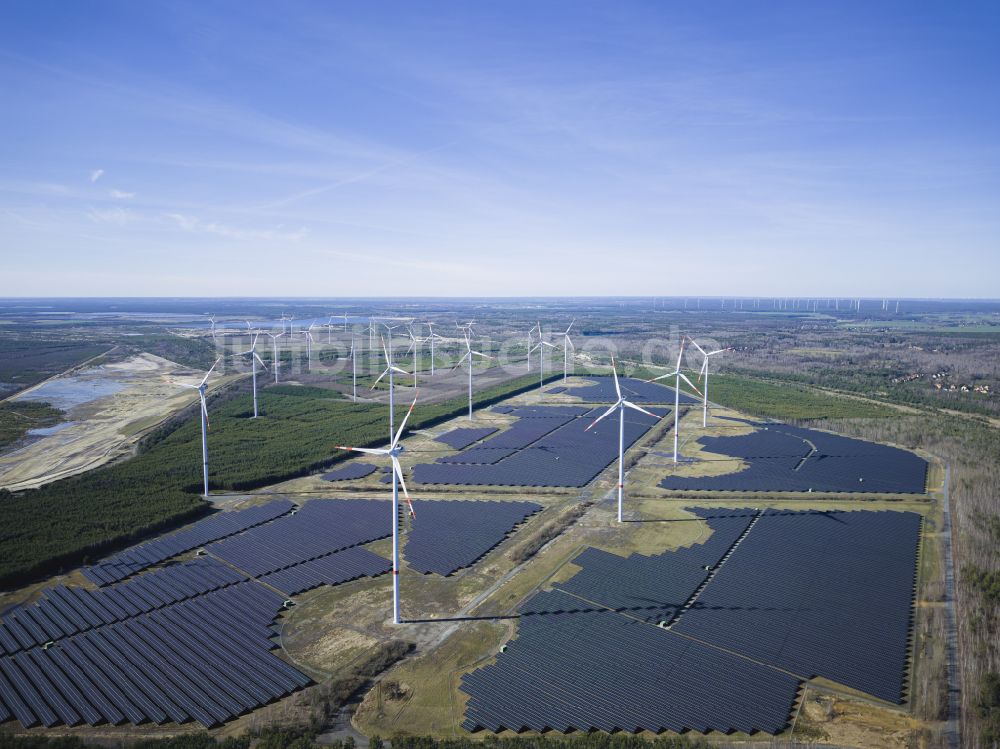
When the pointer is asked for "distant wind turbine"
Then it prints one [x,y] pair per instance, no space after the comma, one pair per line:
[307,334]
[704,373]
[620,405]
[201,387]
[469,354]
[393,452]
[566,344]
[389,370]
[274,345]
[678,375]
[254,358]
[541,352]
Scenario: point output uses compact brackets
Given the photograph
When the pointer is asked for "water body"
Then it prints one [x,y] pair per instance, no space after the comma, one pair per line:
[46,431]
[69,392]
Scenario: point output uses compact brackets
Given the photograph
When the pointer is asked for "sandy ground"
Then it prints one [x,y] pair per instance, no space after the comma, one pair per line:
[105,427]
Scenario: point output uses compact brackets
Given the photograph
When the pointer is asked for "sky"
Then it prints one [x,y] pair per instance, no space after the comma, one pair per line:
[499,149]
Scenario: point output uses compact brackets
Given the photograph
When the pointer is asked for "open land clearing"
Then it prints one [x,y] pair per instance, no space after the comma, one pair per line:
[108,408]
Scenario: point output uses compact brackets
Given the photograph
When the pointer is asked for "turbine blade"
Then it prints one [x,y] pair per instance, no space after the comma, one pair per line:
[610,411]
[614,371]
[403,423]
[684,377]
[255,355]
[205,378]
[399,474]
[368,450]
[379,378]
[640,409]
[697,346]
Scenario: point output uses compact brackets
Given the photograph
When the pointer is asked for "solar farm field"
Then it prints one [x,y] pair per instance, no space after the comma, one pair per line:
[546,446]
[691,639]
[781,457]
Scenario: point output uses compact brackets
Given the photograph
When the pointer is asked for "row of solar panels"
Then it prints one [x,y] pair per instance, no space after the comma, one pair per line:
[459,439]
[782,458]
[220,525]
[334,569]
[808,593]
[838,601]
[352,470]
[319,527]
[567,456]
[63,611]
[205,659]
[638,391]
[587,669]
[654,588]
[447,536]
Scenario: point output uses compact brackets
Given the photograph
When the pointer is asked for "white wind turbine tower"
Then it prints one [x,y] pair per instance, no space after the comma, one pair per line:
[211,319]
[307,334]
[704,373]
[541,352]
[566,344]
[390,368]
[620,405]
[469,354]
[393,452]
[354,368]
[276,363]
[678,375]
[201,387]
[430,337]
[414,347]
[254,358]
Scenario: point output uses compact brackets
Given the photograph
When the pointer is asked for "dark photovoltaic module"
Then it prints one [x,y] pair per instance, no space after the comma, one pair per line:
[459,439]
[318,528]
[220,525]
[780,457]
[772,599]
[353,470]
[449,535]
[333,569]
[547,446]
[602,390]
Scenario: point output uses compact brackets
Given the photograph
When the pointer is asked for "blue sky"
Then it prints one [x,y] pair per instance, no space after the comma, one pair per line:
[509,148]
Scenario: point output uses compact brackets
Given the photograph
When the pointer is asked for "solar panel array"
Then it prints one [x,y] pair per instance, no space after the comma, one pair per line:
[220,525]
[63,611]
[353,470]
[837,601]
[318,528]
[333,569]
[459,439]
[782,458]
[602,390]
[807,593]
[654,588]
[205,659]
[556,390]
[449,535]
[547,446]
[574,667]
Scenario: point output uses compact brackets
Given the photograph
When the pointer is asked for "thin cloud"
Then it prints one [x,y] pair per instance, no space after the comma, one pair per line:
[96,175]
[196,225]
[120,195]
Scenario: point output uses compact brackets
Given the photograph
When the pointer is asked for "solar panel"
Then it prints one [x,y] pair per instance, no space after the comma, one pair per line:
[334,569]
[197,534]
[550,448]
[449,535]
[318,528]
[602,390]
[459,439]
[352,470]
[780,457]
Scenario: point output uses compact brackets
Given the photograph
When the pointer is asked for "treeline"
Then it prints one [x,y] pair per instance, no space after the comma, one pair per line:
[74,520]
[17,417]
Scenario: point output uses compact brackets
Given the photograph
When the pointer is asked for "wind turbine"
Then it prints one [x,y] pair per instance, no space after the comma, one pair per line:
[704,373]
[389,370]
[541,352]
[307,333]
[201,387]
[678,375]
[469,354]
[566,345]
[431,336]
[621,404]
[393,452]
[274,345]
[211,319]
[254,358]
[414,346]
[354,369]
